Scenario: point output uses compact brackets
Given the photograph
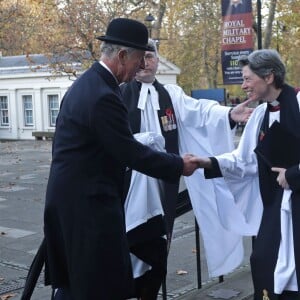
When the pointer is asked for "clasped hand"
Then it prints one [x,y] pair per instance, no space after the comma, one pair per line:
[192,162]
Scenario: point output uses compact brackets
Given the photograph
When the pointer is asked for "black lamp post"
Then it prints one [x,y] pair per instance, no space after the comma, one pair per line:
[149,19]
[259,35]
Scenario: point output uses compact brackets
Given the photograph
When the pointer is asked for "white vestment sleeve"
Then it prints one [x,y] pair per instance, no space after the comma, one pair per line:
[239,169]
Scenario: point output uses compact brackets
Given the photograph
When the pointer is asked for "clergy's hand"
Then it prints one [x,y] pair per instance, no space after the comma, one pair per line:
[202,162]
[281,177]
[241,112]
[190,164]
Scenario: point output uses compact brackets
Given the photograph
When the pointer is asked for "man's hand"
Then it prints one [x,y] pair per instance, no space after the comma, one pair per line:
[241,112]
[281,177]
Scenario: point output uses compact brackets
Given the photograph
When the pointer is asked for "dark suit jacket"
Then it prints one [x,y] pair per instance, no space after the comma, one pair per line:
[84,222]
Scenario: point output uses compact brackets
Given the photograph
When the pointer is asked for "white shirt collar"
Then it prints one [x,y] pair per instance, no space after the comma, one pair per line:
[104,65]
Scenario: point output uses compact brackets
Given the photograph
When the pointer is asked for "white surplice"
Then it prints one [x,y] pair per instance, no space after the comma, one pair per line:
[204,130]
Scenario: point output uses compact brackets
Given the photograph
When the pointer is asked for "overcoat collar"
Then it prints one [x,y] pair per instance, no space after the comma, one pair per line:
[106,75]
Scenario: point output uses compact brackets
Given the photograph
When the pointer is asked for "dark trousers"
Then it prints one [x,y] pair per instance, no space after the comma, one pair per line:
[154,253]
[147,286]
[63,294]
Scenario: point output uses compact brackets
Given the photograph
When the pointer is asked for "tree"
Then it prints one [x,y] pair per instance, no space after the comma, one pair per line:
[188,32]
[192,29]
[269,26]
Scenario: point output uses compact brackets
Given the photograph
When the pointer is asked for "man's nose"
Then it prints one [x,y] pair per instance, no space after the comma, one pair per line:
[142,64]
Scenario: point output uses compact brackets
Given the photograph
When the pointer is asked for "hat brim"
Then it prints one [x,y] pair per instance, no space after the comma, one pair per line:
[124,43]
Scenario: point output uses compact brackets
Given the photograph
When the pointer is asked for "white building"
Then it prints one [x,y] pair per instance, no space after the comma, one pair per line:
[30,93]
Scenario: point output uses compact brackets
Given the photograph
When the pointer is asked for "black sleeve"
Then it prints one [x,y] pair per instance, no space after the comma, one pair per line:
[214,171]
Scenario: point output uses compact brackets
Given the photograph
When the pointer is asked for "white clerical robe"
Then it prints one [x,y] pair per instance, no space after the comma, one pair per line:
[204,130]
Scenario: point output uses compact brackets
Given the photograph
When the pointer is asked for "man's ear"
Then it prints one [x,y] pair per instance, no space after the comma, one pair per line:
[122,55]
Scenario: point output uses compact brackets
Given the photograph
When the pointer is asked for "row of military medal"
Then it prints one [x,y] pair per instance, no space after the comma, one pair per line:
[168,122]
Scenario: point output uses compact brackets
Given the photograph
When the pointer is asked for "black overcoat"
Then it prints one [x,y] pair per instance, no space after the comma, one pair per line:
[84,226]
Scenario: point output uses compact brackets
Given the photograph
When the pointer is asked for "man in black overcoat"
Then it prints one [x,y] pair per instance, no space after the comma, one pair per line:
[87,254]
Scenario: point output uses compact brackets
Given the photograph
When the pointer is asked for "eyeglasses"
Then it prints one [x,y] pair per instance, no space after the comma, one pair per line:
[149,57]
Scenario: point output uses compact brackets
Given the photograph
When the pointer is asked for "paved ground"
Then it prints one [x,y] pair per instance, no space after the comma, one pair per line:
[24,168]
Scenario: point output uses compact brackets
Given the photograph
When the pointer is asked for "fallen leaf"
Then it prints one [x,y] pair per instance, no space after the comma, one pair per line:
[7,296]
[181,272]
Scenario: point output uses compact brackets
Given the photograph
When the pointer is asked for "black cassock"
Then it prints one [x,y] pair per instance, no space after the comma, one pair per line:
[267,242]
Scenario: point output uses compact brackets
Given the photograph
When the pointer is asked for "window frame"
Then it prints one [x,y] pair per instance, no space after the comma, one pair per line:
[7,109]
[50,110]
[27,124]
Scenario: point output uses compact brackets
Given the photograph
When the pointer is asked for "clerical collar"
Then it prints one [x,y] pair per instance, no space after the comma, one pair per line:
[139,83]
[274,106]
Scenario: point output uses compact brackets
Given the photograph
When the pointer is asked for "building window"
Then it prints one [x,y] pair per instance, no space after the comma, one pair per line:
[4,111]
[28,110]
[53,105]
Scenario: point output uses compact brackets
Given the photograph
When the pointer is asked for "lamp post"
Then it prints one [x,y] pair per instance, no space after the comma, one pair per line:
[259,35]
[149,19]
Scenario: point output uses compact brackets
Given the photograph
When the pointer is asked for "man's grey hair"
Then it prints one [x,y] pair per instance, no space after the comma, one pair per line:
[264,62]
[152,43]
[110,50]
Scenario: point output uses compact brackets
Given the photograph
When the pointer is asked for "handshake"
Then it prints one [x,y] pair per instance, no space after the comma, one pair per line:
[192,162]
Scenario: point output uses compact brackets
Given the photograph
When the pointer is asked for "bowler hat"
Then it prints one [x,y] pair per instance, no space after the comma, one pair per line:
[127,32]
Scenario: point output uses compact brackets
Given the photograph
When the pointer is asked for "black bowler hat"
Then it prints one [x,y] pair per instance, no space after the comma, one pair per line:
[127,32]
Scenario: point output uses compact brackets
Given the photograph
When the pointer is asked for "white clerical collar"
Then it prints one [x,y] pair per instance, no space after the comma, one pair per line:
[274,103]
[145,89]
[104,65]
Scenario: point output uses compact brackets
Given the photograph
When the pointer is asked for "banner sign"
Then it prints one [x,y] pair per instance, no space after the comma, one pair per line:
[237,37]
